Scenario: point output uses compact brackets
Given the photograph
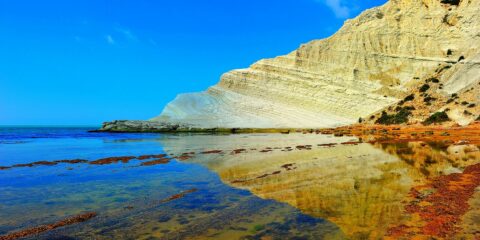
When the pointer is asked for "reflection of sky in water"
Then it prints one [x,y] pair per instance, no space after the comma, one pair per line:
[127,196]
[356,189]
[33,144]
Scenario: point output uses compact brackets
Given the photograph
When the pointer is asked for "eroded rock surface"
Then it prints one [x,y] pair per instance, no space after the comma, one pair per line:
[142,126]
[372,62]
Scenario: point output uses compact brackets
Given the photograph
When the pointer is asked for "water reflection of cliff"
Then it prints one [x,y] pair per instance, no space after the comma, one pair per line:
[435,158]
[358,187]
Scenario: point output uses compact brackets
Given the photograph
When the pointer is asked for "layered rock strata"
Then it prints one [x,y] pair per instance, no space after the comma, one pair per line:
[372,62]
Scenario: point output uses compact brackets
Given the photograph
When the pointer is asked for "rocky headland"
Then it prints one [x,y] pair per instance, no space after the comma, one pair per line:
[406,62]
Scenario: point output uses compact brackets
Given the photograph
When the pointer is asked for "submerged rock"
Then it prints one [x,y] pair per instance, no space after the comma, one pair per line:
[44,228]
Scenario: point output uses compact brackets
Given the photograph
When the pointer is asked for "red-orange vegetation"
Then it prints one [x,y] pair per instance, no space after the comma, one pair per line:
[441,208]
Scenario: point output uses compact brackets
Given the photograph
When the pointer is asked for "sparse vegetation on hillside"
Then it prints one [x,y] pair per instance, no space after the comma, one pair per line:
[451,2]
[452,98]
[398,118]
[424,88]
[466,112]
[409,108]
[428,100]
[409,98]
[437,117]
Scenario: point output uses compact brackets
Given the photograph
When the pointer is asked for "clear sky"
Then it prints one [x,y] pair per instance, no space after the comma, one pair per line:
[82,62]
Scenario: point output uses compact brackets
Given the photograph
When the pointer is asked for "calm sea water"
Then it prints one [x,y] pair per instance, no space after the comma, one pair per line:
[128,197]
[245,186]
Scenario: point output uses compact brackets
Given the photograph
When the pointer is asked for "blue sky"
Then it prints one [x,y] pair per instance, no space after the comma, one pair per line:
[82,62]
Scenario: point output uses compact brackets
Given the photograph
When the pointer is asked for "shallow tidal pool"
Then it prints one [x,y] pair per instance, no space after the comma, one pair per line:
[244,186]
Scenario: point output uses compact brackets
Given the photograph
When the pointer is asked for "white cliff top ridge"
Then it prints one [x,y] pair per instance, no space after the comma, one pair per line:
[369,64]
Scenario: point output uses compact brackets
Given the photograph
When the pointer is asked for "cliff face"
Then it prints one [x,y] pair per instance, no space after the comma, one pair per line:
[371,63]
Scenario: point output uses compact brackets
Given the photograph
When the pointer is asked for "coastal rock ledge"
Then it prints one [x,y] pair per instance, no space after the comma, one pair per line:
[138,126]
[373,62]
[142,126]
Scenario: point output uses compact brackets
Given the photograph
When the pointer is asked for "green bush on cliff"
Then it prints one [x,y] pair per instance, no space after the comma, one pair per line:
[257,228]
[451,2]
[424,88]
[437,117]
[410,97]
[399,118]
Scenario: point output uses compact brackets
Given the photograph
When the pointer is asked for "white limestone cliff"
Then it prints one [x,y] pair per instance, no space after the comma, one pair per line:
[369,64]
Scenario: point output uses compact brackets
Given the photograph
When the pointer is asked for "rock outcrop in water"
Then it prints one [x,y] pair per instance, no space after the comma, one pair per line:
[372,62]
[143,126]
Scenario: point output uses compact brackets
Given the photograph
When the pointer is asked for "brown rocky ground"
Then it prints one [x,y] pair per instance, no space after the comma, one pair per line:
[407,133]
